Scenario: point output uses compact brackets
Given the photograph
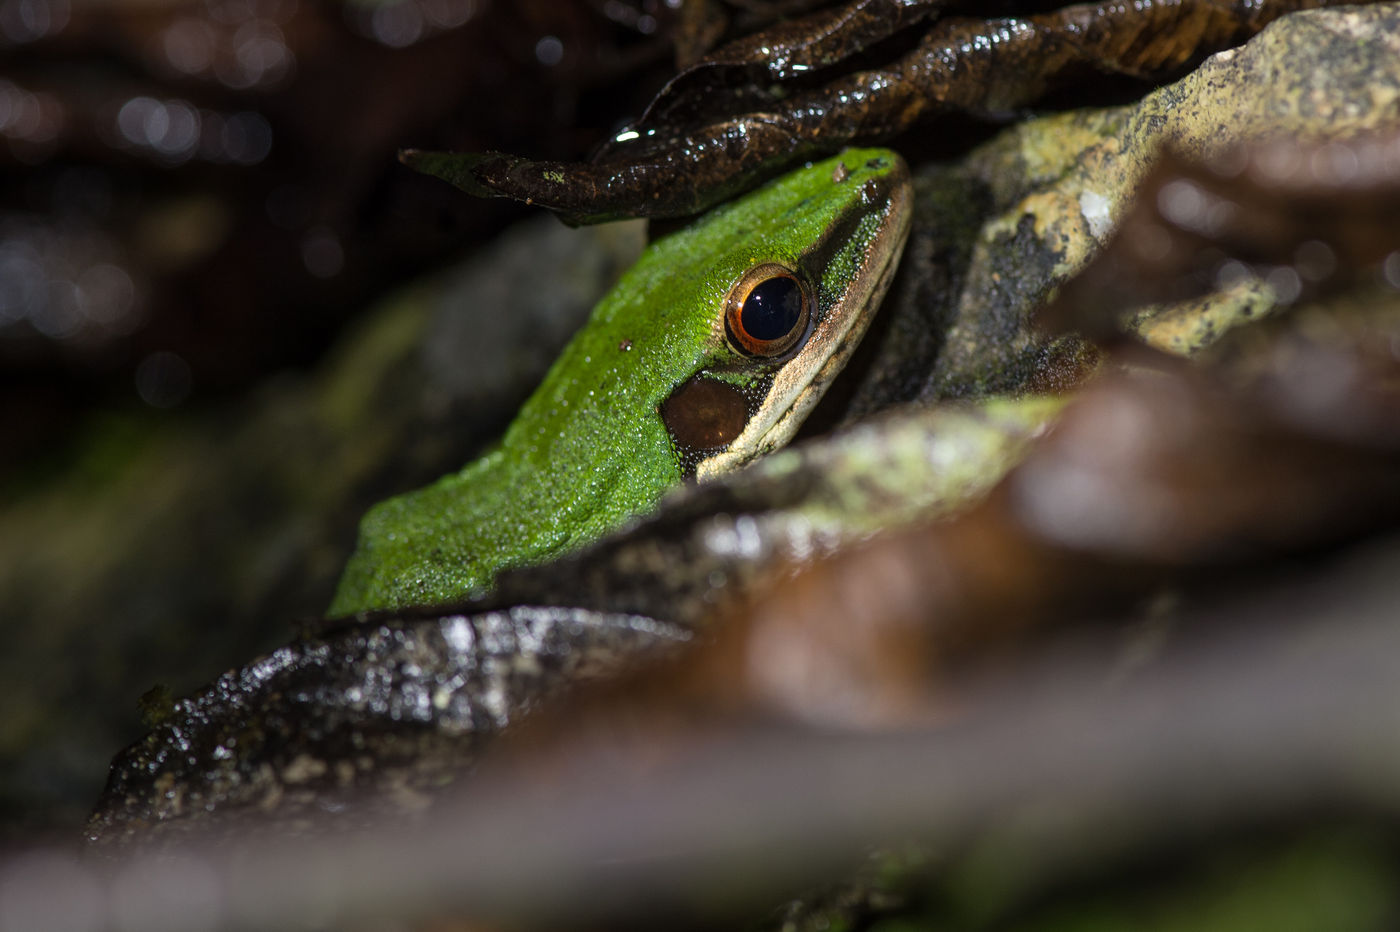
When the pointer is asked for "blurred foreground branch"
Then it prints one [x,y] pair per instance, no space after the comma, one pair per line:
[1291,706]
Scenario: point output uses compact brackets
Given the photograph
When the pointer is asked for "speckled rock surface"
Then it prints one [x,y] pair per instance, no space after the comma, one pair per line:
[359,721]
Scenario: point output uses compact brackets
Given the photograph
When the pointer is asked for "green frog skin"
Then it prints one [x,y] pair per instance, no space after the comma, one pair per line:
[707,353]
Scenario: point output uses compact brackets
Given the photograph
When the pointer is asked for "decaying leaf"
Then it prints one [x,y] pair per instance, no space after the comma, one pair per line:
[697,146]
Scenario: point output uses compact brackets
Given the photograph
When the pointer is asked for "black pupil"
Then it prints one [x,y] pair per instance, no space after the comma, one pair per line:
[772,309]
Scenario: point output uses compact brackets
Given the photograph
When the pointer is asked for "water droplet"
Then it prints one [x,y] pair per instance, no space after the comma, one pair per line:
[163,379]
[549,51]
[321,253]
[397,25]
[188,45]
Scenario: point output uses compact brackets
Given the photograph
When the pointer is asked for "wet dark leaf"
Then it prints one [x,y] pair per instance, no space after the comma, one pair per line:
[685,156]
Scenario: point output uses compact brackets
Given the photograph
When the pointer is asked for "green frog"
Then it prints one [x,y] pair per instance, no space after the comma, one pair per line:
[708,353]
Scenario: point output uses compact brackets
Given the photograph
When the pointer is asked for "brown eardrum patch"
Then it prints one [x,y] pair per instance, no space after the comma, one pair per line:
[705,414]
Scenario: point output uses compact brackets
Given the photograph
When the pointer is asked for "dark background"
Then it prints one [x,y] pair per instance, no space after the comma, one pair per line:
[196,199]
[195,195]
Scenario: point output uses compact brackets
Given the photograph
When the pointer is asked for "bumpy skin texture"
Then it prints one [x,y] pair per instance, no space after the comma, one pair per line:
[756,106]
[589,450]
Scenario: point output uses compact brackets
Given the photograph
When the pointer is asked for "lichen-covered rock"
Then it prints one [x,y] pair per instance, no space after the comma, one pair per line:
[997,232]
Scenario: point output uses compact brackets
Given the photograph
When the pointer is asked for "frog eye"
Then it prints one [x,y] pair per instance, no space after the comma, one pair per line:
[767,311]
